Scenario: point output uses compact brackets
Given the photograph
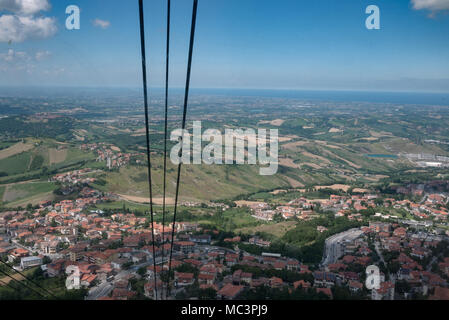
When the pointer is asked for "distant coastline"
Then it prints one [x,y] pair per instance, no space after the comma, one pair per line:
[406,98]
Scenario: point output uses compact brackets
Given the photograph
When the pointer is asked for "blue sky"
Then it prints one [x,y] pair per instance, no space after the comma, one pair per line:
[285,44]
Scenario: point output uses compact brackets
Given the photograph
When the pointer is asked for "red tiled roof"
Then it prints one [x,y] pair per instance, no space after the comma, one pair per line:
[230,291]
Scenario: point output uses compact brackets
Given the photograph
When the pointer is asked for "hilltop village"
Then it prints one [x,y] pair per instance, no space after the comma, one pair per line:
[113,250]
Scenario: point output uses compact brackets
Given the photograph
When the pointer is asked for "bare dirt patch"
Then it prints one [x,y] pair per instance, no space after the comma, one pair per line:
[278,191]
[352,164]
[343,187]
[314,156]
[57,156]
[294,145]
[241,203]
[7,280]
[276,122]
[10,194]
[360,190]
[15,149]
[287,162]
[287,138]
[369,139]
[311,164]
[158,201]
[294,183]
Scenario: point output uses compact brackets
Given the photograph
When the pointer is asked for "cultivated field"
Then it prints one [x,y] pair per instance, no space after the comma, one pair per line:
[15,149]
[57,156]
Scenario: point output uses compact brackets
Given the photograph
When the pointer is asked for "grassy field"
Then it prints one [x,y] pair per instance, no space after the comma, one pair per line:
[33,192]
[15,149]
[2,191]
[199,182]
[119,205]
[276,230]
[15,164]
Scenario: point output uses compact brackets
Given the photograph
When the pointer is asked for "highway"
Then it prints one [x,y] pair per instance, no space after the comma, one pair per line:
[333,248]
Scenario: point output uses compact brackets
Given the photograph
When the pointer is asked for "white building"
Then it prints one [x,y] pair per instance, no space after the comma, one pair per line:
[29,262]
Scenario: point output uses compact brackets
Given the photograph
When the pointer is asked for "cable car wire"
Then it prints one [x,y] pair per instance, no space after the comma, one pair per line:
[186,99]
[147,133]
[33,282]
[167,68]
[22,284]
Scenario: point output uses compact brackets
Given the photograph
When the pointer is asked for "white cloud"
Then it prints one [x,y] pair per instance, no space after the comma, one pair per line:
[23,24]
[40,55]
[104,24]
[12,56]
[431,5]
[24,7]
[21,28]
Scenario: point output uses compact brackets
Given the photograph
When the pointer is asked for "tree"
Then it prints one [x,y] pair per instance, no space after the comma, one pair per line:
[207,294]
[142,271]
[46,260]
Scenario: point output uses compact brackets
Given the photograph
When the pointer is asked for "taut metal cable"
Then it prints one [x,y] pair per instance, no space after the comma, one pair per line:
[147,132]
[167,62]
[23,284]
[186,99]
[37,285]
[4,284]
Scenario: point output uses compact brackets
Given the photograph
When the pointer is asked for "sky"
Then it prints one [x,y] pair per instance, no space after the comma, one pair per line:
[257,44]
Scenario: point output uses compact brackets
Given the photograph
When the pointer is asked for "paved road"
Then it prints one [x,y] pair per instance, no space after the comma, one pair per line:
[379,253]
[429,266]
[333,249]
[102,290]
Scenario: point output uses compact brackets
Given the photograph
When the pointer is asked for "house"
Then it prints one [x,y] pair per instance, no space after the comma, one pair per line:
[276,282]
[184,279]
[118,263]
[385,292]
[55,268]
[440,293]
[231,259]
[151,273]
[301,283]
[292,265]
[246,277]
[280,265]
[208,269]
[259,242]
[139,257]
[201,239]
[229,292]
[150,292]
[325,291]
[236,276]
[400,232]
[204,278]
[87,280]
[122,294]
[77,252]
[355,286]
[17,253]
[49,247]
[324,279]
[184,246]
